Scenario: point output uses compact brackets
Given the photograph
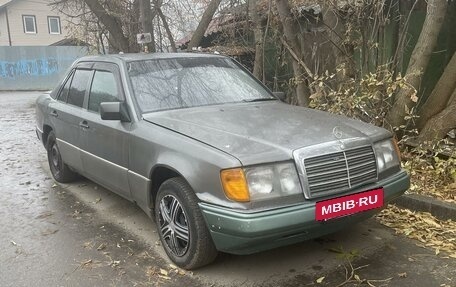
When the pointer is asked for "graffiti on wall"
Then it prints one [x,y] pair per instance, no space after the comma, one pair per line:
[34,67]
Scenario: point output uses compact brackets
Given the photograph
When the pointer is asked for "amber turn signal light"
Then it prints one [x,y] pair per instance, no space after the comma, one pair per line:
[235,185]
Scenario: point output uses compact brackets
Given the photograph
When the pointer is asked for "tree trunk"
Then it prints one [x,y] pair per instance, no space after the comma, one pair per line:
[440,124]
[441,94]
[291,30]
[203,24]
[168,30]
[146,22]
[343,52]
[116,36]
[258,38]
[419,60]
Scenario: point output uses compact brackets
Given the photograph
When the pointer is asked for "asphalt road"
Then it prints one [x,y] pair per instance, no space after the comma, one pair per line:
[83,235]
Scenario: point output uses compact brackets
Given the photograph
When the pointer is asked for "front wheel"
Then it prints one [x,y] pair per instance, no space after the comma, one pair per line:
[181,226]
[60,171]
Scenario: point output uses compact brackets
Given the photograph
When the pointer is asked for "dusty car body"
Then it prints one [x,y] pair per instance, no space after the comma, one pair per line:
[210,153]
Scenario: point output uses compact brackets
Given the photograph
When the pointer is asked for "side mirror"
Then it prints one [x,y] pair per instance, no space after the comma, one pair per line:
[114,111]
[280,95]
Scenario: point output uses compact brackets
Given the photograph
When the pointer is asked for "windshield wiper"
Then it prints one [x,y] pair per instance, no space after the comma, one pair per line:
[260,100]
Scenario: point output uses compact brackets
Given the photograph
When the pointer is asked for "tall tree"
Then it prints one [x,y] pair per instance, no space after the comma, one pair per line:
[440,124]
[440,95]
[291,32]
[119,41]
[258,38]
[406,97]
[203,24]
[162,16]
[343,51]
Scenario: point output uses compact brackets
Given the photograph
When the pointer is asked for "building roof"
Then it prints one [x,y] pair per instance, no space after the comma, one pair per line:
[5,2]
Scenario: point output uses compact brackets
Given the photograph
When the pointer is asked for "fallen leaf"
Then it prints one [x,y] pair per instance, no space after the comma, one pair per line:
[115,263]
[87,244]
[320,280]
[163,272]
[49,232]
[44,215]
[101,246]
[402,275]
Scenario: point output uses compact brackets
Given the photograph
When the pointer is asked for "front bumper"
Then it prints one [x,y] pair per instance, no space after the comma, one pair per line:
[246,233]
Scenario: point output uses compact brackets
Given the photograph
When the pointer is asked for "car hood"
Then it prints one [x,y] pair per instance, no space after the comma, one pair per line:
[263,132]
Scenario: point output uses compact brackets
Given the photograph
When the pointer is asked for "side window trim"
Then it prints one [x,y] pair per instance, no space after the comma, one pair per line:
[62,87]
[85,105]
[112,68]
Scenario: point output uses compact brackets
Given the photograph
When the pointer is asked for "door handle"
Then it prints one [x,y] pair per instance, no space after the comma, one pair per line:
[84,124]
[54,113]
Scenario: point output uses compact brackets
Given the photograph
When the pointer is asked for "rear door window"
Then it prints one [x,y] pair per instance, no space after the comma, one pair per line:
[78,87]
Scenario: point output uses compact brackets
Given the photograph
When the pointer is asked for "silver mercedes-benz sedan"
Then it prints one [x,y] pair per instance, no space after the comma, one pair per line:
[216,158]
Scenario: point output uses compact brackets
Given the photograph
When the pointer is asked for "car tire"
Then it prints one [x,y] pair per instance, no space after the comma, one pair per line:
[60,171]
[186,240]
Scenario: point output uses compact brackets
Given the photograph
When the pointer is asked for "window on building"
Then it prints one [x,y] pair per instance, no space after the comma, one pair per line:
[29,24]
[54,25]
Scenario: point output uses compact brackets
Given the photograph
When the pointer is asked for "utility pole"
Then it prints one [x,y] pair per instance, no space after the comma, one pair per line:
[146,22]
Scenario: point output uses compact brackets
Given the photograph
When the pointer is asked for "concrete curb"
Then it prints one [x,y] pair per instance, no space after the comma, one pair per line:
[438,208]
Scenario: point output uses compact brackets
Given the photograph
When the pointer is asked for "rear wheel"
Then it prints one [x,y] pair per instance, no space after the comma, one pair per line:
[181,226]
[60,171]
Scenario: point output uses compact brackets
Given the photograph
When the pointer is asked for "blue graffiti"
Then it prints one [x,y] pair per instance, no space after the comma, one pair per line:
[35,67]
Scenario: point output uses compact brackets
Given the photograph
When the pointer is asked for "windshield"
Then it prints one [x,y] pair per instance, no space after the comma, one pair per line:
[164,84]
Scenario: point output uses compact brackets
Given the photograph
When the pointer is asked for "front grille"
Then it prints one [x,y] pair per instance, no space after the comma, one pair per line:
[336,172]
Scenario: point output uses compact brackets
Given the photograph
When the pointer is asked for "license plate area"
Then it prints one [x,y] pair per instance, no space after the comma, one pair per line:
[349,204]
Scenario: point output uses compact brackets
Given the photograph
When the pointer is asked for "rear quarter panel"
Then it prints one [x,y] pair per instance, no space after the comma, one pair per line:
[41,111]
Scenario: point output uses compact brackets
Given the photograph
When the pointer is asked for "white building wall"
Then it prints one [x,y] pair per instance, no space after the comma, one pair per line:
[41,10]
[3,29]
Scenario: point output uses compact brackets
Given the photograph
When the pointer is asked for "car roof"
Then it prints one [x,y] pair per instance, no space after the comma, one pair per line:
[130,57]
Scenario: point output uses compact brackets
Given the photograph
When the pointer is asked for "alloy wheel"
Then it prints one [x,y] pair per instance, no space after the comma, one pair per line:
[173,225]
[55,157]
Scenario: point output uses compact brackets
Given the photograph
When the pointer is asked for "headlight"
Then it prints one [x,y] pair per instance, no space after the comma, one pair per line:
[387,155]
[261,182]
